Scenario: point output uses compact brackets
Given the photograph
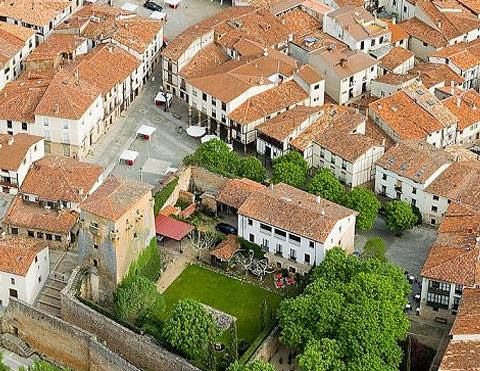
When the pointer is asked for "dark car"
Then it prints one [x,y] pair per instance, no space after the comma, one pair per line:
[152,5]
[226,228]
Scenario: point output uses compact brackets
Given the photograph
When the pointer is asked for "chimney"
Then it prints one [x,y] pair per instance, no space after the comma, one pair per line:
[11,139]
[459,100]
[80,191]
[384,142]
[317,200]
[265,52]
[323,212]
[271,185]
[439,24]
[56,108]
[394,20]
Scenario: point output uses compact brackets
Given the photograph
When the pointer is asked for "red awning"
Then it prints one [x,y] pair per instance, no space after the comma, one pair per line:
[172,228]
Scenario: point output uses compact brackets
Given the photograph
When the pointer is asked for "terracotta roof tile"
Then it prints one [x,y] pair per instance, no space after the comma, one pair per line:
[300,23]
[35,12]
[235,191]
[30,216]
[10,45]
[460,182]
[96,67]
[115,197]
[67,97]
[461,356]
[309,75]
[435,74]
[295,211]
[227,248]
[14,148]
[205,62]
[398,33]
[20,98]
[415,160]
[465,107]
[395,57]
[55,45]
[423,32]
[18,253]
[467,321]
[61,178]
[454,256]
[269,102]
[286,123]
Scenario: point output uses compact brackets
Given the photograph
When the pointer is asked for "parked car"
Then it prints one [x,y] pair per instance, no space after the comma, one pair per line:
[152,5]
[226,228]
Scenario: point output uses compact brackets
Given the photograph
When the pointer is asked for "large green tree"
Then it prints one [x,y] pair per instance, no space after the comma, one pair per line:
[293,157]
[191,330]
[375,248]
[322,355]
[364,201]
[289,173]
[399,216]
[324,184]
[254,366]
[137,298]
[3,366]
[251,167]
[357,304]
[215,156]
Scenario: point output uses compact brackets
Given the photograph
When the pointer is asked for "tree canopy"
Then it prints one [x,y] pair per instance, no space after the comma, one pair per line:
[325,185]
[251,167]
[215,156]
[41,365]
[136,298]
[375,248]
[254,366]
[350,316]
[364,201]
[191,330]
[399,216]
[288,173]
[3,366]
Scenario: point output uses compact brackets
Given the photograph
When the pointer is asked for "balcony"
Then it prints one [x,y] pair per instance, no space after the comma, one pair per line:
[439,291]
[292,258]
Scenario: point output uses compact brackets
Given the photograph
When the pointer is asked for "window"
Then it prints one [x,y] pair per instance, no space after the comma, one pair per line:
[9,124]
[204,96]
[316,87]
[414,202]
[40,235]
[251,238]
[278,249]
[456,303]
[214,102]
[414,190]
[13,293]
[435,198]
[39,279]
[332,159]
[295,239]
[373,42]
[250,222]
[45,121]
[293,254]
[224,106]
[14,230]
[36,259]
[31,234]
[65,124]
[437,300]
[311,244]
[95,246]
[384,189]
[280,234]
[12,281]
[439,285]
[434,209]
[24,126]
[49,236]
[362,45]
[292,270]
[265,244]
[307,258]
[265,228]
[458,289]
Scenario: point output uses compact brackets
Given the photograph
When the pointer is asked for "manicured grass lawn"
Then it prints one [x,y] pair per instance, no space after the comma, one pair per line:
[225,294]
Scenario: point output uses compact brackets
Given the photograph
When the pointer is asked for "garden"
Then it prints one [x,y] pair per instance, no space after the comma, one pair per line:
[232,296]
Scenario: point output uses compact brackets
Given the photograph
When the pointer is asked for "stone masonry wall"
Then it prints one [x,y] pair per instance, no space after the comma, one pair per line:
[60,341]
[135,348]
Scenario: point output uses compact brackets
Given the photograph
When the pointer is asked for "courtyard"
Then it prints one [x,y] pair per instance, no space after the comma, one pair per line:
[229,295]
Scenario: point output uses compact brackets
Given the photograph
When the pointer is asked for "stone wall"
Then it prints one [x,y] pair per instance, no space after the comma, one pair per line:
[206,181]
[138,349]
[60,341]
[184,174]
[268,347]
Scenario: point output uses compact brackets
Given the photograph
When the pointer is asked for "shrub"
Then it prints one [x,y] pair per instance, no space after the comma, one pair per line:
[162,196]
[399,216]
[148,263]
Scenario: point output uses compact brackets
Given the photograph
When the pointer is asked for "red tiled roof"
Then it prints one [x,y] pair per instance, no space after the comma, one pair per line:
[172,228]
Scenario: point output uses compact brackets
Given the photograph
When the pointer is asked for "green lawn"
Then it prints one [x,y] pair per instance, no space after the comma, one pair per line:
[228,295]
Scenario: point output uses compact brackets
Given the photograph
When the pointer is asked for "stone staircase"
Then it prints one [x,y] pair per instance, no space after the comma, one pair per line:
[48,299]
[16,345]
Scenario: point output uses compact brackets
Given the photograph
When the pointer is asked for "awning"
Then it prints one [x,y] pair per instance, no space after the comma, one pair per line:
[172,228]
[162,97]
[146,130]
[196,131]
[158,15]
[130,7]
[172,2]
[129,155]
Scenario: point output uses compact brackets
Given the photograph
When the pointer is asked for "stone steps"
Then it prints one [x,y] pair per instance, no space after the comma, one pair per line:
[16,345]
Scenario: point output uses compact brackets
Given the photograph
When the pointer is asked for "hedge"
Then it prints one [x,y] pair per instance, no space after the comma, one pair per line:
[162,196]
[148,263]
